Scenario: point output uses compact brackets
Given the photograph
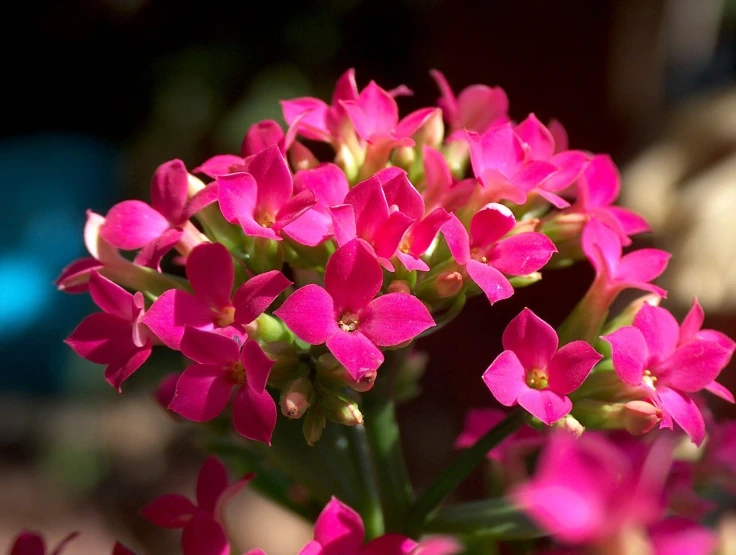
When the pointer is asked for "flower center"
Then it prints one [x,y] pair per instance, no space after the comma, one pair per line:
[405,247]
[237,373]
[348,322]
[266,220]
[225,317]
[648,379]
[537,379]
[479,255]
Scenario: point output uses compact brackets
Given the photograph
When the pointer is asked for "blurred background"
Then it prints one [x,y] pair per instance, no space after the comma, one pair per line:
[99,92]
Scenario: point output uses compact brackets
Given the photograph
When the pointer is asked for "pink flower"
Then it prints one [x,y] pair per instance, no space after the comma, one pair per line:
[339,530]
[260,199]
[116,337]
[650,354]
[476,108]
[487,255]
[614,272]
[211,273]
[156,229]
[441,190]
[203,523]
[598,188]
[205,388]
[348,316]
[680,536]
[534,373]
[478,422]
[29,543]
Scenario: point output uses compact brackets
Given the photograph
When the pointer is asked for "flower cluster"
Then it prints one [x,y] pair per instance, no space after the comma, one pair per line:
[283,277]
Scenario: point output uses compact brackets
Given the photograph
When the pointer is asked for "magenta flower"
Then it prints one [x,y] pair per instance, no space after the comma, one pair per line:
[260,199]
[203,524]
[487,255]
[116,337]
[649,354]
[347,315]
[158,228]
[615,272]
[205,388]
[367,213]
[598,188]
[30,543]
[478,422]
[680,536]
[339,530]
[476,108]
[534,373]
[441,190]
[211,273]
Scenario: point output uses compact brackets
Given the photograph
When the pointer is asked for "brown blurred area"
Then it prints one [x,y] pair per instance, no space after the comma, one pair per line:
[651,83]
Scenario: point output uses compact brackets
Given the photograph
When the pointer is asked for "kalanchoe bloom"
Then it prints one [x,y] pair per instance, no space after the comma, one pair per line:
[158,228]
[534,373]
[116,337]
[339,530]
[487,255]
[441,190]
[203,523]
[478,422]
[30,543]
[598,188]
[260,198]
[205,388]
[348,316]
[615,272]
[650,354]
[211,273]
[476,108]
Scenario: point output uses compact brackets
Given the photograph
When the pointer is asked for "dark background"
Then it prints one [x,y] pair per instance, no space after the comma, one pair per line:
[97,93]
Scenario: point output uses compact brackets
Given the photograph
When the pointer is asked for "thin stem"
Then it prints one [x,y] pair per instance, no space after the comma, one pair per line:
[461,467]
[370,508]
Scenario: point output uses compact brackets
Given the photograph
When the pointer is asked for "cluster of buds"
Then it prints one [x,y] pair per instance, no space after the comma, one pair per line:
[272,270]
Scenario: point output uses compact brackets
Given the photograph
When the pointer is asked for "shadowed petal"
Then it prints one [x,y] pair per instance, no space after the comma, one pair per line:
[339,529]
[394,318]
[221,164]
[202,392]
[506,378]
[151,254]
[532,339]
[601,246]
[491,281]
[111,298]
[570,366]
[295,207]
[257,294]
[394,544]
[490,223]
[720,391]
[260,136]
[169,190]
[204,536]
[174,310]
[355,352]
[208,348]
[211,273]
[545,404]
[370,207]
[172,510]
[28,543]
[310,313]
[211,482]
[401,193]
[102,338]
[119,371]
[257,365]
[458,239]
[254,414]
[537,137]
[273,177]
[353,277]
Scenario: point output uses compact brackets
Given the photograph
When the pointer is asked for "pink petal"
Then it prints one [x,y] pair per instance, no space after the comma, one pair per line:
[479,106]
[174,310]
[273,177]
[151,254]
[74,278]
[345,88]
[120,370]
[211,482]
[679,536]
[631,222]
[411,262]
[211,273]
[257,365]
[256,295]
[169,190]
[555,200]
[600,182]
[254,414]
[260,136]
[402,194]
[684,411]
[642,266]
[498,149]
[720,391]
[339,529]
[389,236]
[209,348]
[458,240]
[447,102]
[310,229]
[660,330]
[28,543]
[202,392]
[312,548]
[532,174]
[103,338]
[490,223]
[120,549]
[353,277]
[569,366]
[692,322]
[570,164]
[693,366]
[201,200]
[355,352]
[379,110]
[601,246]
[423,232]
[327,181]
[491,281]
[394,318]
[629,353]
[294,208]
[506,378]
[131,224]
[390,544]
[220,164]
[413,121]
[172,510]
[355,113]
[371,209]
[310,313]
[112,298]
[237,194]
[537,137]
[438,545]
[545,404]
[522,254]
[532,339]
[204,536]
[343,221]
[560,135]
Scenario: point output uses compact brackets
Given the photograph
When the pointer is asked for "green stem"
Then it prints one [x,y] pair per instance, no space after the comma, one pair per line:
[461,467]
[588,316]
[370,508]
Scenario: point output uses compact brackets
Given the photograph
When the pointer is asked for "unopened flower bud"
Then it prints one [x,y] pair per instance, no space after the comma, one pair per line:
[399,286]
[301,157]
[640,416]
[627,315]
[314,423]
[286,367]
[571,425]
[296,398]
[194,185]
[270,329]
[432,132]
[457,154]
[403,157]
[332,374]
[340,408]
[524,281]
[564,227]
[166,388]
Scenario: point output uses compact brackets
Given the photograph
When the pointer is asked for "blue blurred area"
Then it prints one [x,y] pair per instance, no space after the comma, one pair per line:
[48,181]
